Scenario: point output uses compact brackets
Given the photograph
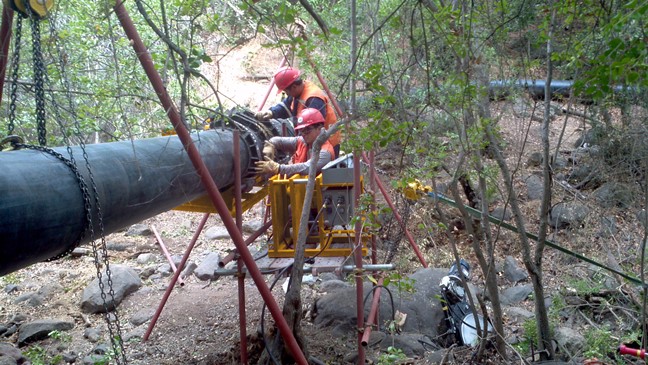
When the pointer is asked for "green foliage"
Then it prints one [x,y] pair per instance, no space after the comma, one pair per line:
[392,356]
[586,286]
[599,343]
[11,278]
[403,284]
[38,355]
[60,336]
[370,212]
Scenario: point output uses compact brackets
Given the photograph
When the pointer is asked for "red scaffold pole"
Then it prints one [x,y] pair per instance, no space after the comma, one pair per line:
[207,180]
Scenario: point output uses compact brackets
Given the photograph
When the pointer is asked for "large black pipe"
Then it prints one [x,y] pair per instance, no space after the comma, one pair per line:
[42,213]
[42,210]
[560,89]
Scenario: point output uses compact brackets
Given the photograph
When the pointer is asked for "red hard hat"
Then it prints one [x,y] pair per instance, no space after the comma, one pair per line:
[308,117]
[285,76]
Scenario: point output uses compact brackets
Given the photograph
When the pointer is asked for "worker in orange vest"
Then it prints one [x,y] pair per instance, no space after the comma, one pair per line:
[301,94]
[309,125]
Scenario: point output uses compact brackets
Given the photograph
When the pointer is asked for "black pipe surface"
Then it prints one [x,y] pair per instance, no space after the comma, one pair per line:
[42,212]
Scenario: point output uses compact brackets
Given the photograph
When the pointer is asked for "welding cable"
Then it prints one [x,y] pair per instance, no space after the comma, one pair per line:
[391,299]
[312,258]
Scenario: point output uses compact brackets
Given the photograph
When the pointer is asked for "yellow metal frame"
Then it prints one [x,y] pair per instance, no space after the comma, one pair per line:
[205,205]
[286,198]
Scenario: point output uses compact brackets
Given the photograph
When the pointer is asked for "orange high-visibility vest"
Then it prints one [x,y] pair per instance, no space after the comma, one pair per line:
[301,154]
[312,91]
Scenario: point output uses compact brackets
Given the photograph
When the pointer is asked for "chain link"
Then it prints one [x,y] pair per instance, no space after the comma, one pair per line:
[15,65]
[82,186]
[100,251]
[382,172]
[39,72]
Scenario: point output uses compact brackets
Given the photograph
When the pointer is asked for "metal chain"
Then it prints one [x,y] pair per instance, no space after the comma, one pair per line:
[82,186]
[99,251]
[39,72]
[40,77]
[15,65]
[114,328]
[382,172]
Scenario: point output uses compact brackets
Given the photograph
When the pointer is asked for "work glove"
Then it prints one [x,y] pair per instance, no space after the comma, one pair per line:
[263,115]
[267,167]
[269,150]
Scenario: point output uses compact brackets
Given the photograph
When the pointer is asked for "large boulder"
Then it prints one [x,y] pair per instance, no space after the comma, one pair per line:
[125,280]
[338,310]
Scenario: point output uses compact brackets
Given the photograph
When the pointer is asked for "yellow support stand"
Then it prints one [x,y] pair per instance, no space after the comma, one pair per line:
[205,205]
[287,197]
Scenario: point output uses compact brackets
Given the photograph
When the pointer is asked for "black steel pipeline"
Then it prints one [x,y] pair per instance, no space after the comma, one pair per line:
[42,212]
[41,204]
[561,89]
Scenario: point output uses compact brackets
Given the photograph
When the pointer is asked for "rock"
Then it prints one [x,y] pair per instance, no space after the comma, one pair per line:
[252,226]
[570,340]
[92,334]
[136,333]
[534,187]
[613,194]
[70,357]
[141,316]
[337,309]
[5,360]
[410,343]
[31,299]
[10,352]
[10,288]
[139,230]
[516,294]
[502,214]
[518,314]
[145,258]
[535,159]
[124,281]
[80,251]
[206,269]
[512,272]
[571,214]
[216,233]
[188,270]
[147,272]
[119,247]
[608,227]
[39,329]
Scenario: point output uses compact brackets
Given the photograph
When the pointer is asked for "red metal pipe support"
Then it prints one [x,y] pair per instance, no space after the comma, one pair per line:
[225,260]
[398,217]
[272,83]
[239,224]
[210,186]
[372,188]
[373,313]
[5,41]
[357,255]
[169,288]
[166,254]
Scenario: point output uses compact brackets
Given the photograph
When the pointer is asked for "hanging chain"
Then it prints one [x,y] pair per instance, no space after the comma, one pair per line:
[15,64]
[83,187]
[99,250]
[39,72]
